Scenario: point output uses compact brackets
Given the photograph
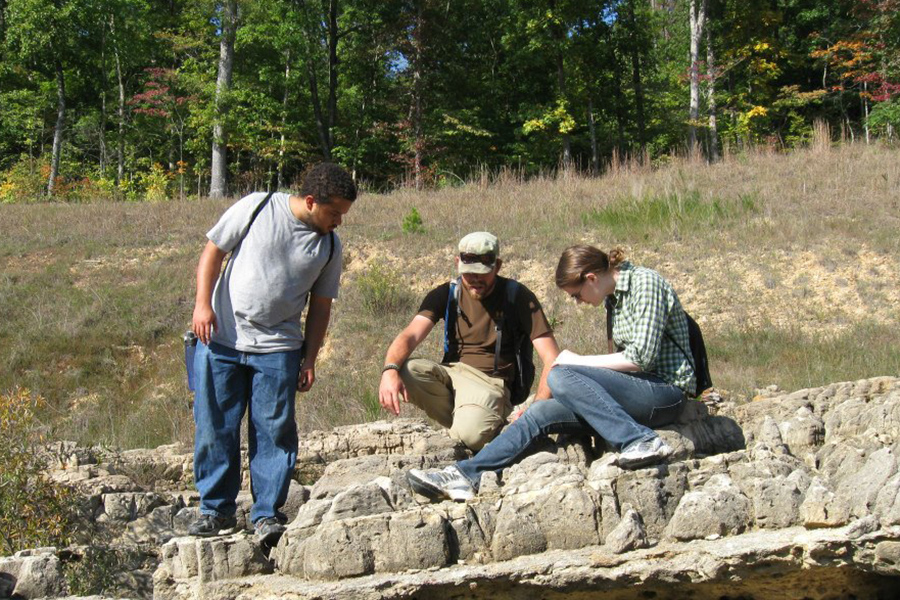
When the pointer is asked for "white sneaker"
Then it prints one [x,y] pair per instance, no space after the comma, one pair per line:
[439,484]
[644,453]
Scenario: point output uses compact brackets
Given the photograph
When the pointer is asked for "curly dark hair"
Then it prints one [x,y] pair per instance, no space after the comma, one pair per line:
[326,181]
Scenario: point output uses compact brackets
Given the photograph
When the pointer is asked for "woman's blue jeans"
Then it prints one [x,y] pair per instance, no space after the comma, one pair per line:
[620,407]
[228,383]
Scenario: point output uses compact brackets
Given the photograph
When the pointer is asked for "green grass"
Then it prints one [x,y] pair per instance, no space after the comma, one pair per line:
[686,212]
[744,360]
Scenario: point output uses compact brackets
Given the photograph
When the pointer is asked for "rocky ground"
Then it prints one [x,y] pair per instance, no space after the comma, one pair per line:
[793,495]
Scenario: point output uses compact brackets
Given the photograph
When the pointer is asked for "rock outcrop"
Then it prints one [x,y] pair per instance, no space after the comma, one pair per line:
[794,495]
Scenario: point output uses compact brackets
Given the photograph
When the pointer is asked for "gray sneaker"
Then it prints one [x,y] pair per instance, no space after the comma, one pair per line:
[644,453]
[439,484]
[210,525]
[268,530]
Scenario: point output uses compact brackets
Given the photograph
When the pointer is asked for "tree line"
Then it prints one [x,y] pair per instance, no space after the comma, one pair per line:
[151,99]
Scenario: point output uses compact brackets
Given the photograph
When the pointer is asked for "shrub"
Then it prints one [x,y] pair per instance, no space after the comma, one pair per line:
[412,222]
[155,183]
[26,180]
[382,293]
[34,511]
[98,570]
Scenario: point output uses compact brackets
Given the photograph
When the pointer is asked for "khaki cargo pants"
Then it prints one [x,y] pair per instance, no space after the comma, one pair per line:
[472,405]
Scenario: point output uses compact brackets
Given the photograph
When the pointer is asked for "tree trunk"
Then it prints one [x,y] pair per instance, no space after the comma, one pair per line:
[595,157]
[103,84]
[639,100]
[120,81]
[60,123]
[321,126]
[332,69]
[865,103]
[711,99]
[559,38]
[561,82]
[279,184]
[120,143]
[618,97]
[697,21]
[219,168]
[636,82]
[415,107]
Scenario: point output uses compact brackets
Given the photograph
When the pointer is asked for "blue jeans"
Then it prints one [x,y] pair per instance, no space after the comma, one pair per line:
[620,407]
[228,383]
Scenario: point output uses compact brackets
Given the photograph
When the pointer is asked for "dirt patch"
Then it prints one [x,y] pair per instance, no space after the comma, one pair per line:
[126,263]
[796,290]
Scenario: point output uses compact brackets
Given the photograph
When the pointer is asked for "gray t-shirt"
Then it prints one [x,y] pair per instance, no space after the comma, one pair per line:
[259,299]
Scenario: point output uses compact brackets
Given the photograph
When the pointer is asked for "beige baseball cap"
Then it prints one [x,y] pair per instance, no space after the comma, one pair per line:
[478,252]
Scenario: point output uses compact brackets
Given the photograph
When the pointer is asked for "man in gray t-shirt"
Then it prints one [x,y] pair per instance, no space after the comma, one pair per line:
[254,353]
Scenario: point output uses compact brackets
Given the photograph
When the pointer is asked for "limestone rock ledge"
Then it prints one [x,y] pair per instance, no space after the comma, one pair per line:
[796,495]
[773,564]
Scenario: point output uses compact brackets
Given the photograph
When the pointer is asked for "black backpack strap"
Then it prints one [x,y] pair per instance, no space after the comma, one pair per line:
[257,210]
[686,355]
[608,305]
[331,250]
[253,216]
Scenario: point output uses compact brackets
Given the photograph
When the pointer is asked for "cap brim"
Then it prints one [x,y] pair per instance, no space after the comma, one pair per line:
[475,268]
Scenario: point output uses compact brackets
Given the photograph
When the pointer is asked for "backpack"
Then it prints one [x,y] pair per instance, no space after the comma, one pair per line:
[520,386]
[698,359]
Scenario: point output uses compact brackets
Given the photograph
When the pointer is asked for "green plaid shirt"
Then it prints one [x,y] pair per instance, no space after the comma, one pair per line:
[644,309]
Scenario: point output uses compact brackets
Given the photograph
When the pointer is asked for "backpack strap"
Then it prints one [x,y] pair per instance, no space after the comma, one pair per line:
[257,211]
[253,216]
[689,357]
[331,250]
[608,305]
[450,315]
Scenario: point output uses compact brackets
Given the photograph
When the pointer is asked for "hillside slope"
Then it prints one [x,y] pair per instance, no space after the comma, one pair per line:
[791,263]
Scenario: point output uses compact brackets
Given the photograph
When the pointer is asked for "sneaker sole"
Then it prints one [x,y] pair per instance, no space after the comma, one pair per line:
[271,538]
[429,490]
[639,463]
[224,531]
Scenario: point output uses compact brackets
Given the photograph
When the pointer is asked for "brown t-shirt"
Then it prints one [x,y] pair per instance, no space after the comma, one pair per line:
[475,326]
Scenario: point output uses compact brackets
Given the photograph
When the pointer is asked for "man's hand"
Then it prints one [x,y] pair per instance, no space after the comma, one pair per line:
[391,391]
[203,322]
[307,376]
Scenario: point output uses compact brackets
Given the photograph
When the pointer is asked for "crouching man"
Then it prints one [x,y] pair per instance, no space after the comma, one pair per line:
[490,325]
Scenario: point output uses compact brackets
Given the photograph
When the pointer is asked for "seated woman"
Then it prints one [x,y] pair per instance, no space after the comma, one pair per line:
[619,396]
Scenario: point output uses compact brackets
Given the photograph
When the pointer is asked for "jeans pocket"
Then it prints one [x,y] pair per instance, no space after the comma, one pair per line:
[663,415]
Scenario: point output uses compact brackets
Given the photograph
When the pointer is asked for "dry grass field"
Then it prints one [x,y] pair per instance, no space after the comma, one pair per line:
[791,264]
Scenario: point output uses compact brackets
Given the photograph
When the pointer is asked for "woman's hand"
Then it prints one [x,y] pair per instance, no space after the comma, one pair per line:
[567,357]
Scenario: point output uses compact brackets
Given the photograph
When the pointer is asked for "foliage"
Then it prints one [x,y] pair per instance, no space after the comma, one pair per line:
[34,511]
[97,570]
[25,180]
[412,222]
[438,91]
